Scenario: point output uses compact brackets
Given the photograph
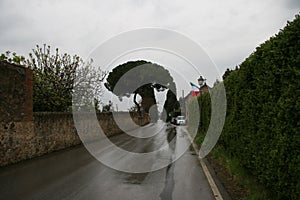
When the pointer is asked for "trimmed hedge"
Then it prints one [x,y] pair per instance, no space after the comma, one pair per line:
[263,113]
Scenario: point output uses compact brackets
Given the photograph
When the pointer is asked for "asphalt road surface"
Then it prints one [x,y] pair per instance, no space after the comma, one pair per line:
[75,174]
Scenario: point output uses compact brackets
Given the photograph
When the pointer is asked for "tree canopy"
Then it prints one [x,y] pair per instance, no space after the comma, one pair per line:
[54,76]
[262,125]
[142,78]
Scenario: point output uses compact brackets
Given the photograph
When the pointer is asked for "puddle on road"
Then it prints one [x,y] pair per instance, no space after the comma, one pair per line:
[135,179]
[167,192]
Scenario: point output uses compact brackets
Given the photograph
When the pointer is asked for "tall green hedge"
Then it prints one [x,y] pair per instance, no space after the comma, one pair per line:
[262,127]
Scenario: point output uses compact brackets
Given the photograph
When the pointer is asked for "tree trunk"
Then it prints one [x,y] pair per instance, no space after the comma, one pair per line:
[137,104]
[148,98]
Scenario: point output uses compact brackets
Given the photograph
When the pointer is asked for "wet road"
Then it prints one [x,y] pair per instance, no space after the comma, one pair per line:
[75,174]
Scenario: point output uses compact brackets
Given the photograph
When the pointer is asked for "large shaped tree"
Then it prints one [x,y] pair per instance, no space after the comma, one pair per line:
[140,78]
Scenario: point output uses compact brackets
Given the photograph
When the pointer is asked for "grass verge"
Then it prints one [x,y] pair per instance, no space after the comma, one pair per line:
[238,182]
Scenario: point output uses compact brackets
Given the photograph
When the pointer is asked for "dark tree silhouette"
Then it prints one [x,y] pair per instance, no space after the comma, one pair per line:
[144,78]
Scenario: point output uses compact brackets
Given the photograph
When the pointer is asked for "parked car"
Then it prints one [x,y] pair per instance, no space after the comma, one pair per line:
[180,120]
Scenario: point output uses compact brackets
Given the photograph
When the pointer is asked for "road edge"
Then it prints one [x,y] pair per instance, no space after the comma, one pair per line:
[212,184]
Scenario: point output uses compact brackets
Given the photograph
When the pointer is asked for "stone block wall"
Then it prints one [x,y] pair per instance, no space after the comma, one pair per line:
[118,122]
[56,130]
[24,134]
[53,131]
[15,93]
[16,115]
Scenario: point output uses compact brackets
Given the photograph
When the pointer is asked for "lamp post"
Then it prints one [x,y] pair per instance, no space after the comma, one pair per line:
[201,82]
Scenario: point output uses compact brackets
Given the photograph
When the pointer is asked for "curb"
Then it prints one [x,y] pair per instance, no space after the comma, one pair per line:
[209,178]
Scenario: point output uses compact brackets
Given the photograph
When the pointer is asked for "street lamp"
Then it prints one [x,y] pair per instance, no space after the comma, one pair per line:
[201,82]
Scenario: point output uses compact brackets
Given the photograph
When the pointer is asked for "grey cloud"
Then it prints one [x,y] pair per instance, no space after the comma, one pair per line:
[293,4]
[235,27]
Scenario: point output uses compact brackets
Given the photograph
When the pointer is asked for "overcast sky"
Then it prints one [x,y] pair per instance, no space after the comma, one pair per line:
[228,30]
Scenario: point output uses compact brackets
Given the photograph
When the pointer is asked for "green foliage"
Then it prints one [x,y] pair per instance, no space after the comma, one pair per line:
[193,116]
[150,75]
[115,75]
[205,111]
[54,76]
[12,58]
[241,180]
[262,127]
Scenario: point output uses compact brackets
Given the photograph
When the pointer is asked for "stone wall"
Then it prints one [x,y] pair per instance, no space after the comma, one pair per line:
[15,93]
[117,122]
[52,131]
[16,116]
[24,134]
